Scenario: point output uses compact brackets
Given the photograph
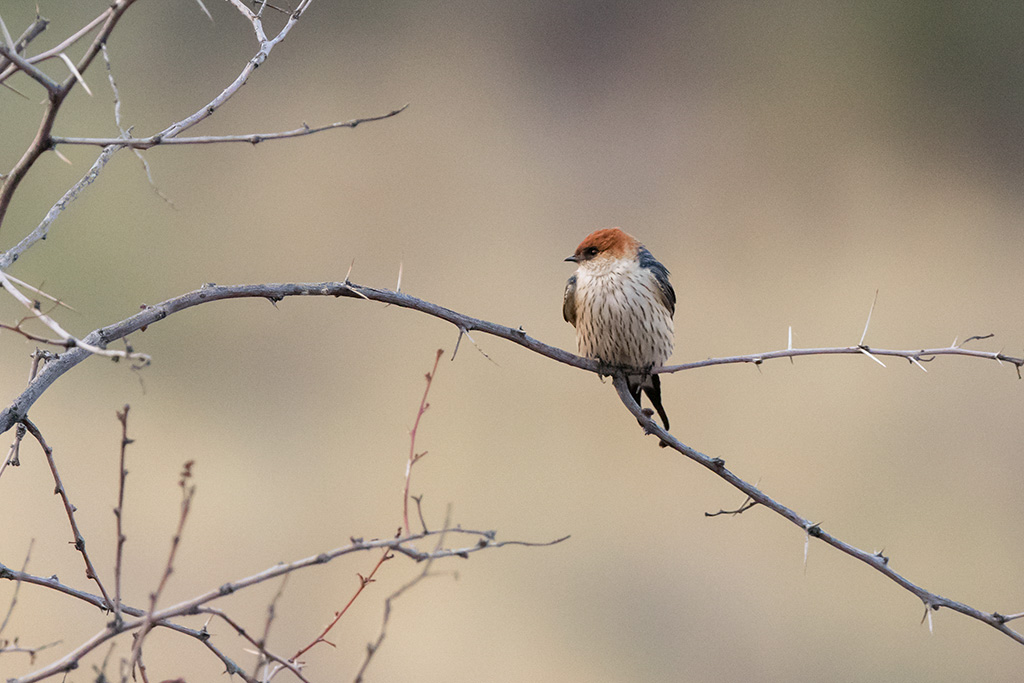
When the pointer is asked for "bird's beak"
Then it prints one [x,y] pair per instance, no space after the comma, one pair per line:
[573,258]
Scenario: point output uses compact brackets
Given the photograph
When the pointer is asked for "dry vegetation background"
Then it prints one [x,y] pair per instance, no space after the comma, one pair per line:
[784,160]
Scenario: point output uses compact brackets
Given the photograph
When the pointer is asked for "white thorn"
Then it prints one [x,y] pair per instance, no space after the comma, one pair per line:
[62,157]
[872,356]
[789,347]
[74,70]
[205,11]
[915,362]
[807,546]
[398,287]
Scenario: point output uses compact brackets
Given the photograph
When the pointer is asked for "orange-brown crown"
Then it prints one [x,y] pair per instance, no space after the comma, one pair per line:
[607,242]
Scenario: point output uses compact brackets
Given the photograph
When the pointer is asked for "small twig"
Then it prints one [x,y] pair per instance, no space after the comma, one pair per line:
[419,512]
[484,540]
[264,654]
[413,456]
[6,71]
[261,644]
[160,139]
[10,647]
[364,581]
[13,455]
[747,504]
[31,71]
[90,570]
[7,283]
[17,587]
[187,492]
[372,648]
[122,417]
[921,355]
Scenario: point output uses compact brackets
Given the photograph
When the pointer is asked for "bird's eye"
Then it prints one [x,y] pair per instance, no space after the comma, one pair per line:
[590,252]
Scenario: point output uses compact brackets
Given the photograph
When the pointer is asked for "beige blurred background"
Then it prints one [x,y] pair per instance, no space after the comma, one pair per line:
[784,160]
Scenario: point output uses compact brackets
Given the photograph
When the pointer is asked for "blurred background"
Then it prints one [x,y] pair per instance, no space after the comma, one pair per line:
[784,160]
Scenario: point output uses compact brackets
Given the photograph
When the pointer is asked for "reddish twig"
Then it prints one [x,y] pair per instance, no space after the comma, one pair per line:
[480,541]
[364,581]
[413,455]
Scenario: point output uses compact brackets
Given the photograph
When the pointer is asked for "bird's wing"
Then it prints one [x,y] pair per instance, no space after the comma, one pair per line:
[569,302]
[665,291]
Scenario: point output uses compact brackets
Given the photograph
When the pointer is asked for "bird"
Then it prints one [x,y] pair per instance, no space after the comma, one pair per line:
[621,303]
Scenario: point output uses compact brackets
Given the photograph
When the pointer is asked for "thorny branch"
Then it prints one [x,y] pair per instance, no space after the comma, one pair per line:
[150,315]
[276,292]
[12,60]
[56,94]
[90,570]
[877,561]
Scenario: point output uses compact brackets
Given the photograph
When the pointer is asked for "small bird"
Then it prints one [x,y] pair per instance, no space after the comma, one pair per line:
[621,303]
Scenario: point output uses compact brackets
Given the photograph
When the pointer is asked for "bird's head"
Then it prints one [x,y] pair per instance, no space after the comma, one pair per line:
[607,243]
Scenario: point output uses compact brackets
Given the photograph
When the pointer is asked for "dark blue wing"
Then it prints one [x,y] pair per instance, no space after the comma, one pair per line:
[668,295]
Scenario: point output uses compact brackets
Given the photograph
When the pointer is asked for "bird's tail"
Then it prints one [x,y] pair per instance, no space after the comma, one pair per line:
[650,385]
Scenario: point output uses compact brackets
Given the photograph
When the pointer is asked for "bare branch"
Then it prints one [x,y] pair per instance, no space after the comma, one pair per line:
[251,138]
[273,292]
[52,86]
[17,588]
[403,545]
[122,417]
[413,456]
[41,142]
[7,282]
[90,570]
[187,492]
[876,561]
[912,355]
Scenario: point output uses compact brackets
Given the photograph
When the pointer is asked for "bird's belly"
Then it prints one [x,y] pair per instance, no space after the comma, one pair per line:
[624,329]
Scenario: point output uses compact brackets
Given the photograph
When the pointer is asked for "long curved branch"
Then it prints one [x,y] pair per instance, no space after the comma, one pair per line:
[877,561]
[18,409]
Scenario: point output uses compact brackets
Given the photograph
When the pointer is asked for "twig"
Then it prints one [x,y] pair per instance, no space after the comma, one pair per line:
[372,648]
[187,492]
[364,581]
[7,283]
[56,96]
[484,540]
[922,355]
[160,139]
[6,70]
[90,570]
[265,655]
[17,587]
[122,417]
[261,644]
[413,455]
[13,457]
